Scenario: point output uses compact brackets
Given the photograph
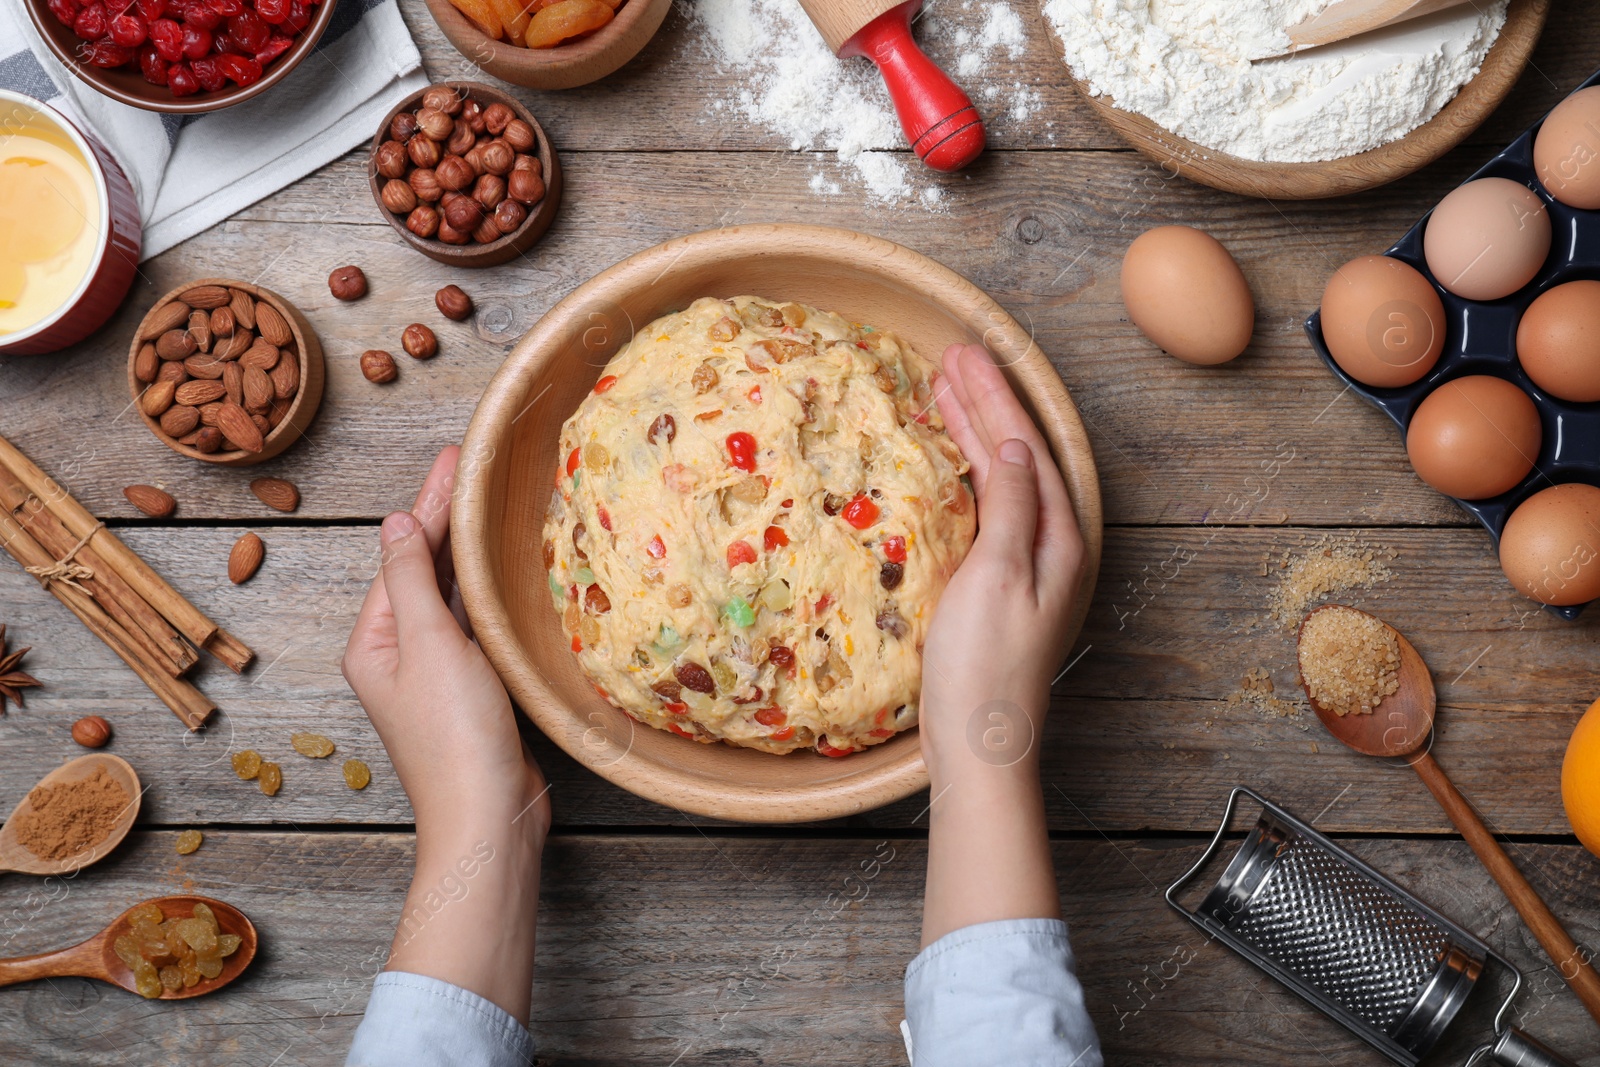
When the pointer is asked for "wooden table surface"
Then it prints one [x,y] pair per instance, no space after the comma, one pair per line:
[669,940]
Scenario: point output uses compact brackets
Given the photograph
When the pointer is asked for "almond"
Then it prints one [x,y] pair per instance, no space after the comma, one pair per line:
[209,367]
[236,345]
[175,344]
[207,439]
[245,559]
[146,364]
[271,325]
[180,421]
[280,408]
[261,423]
[199,392]
[261,355]
[168,316]
[176,373]
[206,296]
[286,378]
[233,381]
[257,389]
[238,427]
[208,414]
[192,439]
[243,308]
[276,493]
[200,329]
[157,399]
[221,322]
[150,500]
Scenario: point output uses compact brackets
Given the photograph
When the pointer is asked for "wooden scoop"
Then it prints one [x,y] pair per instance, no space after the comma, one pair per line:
[15,857]
[1400,726]
[1344,19]
[96,958]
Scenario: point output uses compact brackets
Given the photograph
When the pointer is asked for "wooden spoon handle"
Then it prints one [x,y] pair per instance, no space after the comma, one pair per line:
[81,959]
[1569,959]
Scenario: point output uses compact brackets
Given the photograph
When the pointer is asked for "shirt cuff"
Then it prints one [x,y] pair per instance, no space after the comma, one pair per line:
[999,992]
[416,1021]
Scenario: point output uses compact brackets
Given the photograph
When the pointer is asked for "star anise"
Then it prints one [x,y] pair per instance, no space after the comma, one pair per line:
[12,681]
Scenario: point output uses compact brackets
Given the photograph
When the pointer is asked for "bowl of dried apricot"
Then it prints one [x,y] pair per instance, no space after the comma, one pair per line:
[549,44]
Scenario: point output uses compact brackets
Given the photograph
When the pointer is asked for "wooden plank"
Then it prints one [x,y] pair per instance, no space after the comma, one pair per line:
[1172,440]
[802,964]
[659,102]
[1143,736]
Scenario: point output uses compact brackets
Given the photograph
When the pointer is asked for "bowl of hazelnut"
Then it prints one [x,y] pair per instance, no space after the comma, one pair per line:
[225,372]
[465,174]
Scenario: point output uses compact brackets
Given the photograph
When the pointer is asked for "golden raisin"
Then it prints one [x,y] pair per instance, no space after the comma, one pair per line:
[314,745]
[704,379]
[271,778]
[356,775]
[188,841]
[247,764]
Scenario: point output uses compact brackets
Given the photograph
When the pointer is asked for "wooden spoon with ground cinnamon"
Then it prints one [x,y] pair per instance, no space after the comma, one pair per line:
[77,814]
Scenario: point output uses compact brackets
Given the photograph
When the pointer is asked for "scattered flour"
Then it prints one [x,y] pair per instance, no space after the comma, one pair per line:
[1184,64]
[795,87]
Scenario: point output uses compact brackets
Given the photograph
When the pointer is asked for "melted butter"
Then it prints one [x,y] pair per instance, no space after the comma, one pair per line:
[48,236]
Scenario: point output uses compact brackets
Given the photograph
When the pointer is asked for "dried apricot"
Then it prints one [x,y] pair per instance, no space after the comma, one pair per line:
[270,779]
[314,745]
[356,774]
[564,20]
[247,764]
[188,841]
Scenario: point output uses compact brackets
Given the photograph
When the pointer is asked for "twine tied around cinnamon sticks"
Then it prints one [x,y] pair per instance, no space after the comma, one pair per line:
[66,569]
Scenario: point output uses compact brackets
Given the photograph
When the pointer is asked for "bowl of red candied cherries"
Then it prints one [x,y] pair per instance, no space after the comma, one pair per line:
[181,56]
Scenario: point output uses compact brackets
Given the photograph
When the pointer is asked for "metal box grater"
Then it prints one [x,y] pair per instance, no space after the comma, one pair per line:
[1351,942]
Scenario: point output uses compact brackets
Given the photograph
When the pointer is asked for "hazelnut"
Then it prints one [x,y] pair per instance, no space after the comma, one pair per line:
[423,221]
[347,283]
[419,342]
[435,123]
[487,232]
[398,196]
[474,157]
[489,190]
[453,302]
[403,126]
[472,112]
[519,135]
[498,157]
[91,731]
[509,216]
[425,183]
[497,117]
[461,139]
[378,366]
[391,159]
[527,162]
[424,152]
[526,186]
[450,235]
[442,98]
[454,173]
[463,213]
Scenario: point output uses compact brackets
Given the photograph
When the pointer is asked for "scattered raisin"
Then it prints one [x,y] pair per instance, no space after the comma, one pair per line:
[577,535]
[678,595]
[595,599]
[188,841]
[549,553]
[724,329]
[314,745]
[781,655]
[667,689]
[247,764]
[704,379]
[831,504]
[890,622]
[270,779]
[356,774]
[664,426]
[891,573]
[693,676]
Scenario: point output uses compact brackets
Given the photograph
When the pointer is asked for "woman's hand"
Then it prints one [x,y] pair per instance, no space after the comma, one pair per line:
[481,802]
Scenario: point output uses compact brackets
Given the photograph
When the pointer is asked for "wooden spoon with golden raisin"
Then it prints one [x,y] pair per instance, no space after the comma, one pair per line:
[197,946]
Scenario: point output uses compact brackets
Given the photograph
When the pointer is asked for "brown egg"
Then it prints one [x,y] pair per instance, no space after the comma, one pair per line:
[1566,154]
[1382,321]
[1550,548]
[1185,292]
[1558,341]
[1474,437]
[1487,238]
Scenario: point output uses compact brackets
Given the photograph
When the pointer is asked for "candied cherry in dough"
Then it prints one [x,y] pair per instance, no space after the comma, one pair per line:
[742,451]
[861,512]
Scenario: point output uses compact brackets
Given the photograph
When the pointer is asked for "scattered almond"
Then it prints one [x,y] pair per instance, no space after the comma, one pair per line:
[276,493]
[154,502]
[245,559]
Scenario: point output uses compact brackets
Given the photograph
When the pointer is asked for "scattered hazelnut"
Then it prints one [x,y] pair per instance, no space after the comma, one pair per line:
[519,135]
[497,117]
[509,216]
[442,98]
[454,173]
[463,213]
[489,190]
[419,342]
[391,159]
[450,235]
[435,123]
[349,283]
[423,151]
[403,126]
[398,196]
[91,731]
[498,157]
[453,302]
[425,183]
[423,221]
[525,186]
[472,112]
[461,139]
[378,366]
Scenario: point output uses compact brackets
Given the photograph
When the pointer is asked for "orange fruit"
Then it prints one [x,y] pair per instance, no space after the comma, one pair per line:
[1580,779]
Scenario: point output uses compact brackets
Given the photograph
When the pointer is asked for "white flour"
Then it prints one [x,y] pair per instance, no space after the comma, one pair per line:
[796,88]
[1181,63]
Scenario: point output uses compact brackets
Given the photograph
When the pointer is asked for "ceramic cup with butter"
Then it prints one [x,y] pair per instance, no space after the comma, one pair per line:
[69,230]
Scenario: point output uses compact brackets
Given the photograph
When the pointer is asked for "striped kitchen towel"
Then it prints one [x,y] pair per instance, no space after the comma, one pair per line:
[191,172]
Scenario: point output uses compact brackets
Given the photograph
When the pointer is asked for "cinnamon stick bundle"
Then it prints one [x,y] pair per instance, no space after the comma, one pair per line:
[112,591]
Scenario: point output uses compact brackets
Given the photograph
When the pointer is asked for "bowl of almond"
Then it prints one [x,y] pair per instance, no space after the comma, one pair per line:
[225,372]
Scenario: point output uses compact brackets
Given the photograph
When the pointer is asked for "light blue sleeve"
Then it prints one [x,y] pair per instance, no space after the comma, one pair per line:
[415,1021]
[1000,992]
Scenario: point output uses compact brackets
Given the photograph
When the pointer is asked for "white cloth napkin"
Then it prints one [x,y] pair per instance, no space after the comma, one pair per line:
[191,172]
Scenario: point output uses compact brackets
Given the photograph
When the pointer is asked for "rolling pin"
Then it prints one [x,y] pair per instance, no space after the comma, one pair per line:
[944,129]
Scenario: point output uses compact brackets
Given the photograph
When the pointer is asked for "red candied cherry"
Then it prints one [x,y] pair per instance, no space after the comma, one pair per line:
[226,43]
[276,46]
[740,552]
[65,11]
[248,30]
[129,31]
[573,459]
[91,22]
[742,451]
[861,512]
[298,18]
[242,69]
[773,716]
[828,750]
[604,384]
[151,9]
[272,12]
[196,42]
[181,80]
[657,547]
[209,74]
[604,516]
[167,36]
[227,8]
[152,66]
[107,54]
[198,13]
[774,537]
[894,549]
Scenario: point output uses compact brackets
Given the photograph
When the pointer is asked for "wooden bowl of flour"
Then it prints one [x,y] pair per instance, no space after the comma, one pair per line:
[1501,68]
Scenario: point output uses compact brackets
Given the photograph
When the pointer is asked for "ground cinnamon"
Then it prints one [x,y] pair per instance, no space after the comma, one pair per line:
[70,818]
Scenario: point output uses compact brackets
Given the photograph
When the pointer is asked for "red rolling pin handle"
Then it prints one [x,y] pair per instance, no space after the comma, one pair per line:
[943,127]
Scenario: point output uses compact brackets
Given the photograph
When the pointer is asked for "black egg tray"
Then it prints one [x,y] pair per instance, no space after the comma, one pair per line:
[1480,338]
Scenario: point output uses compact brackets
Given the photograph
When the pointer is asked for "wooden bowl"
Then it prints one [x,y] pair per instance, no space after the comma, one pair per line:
[301,410]
[126,85]
[1351,174]
[540,216]
[565,66]
[511,452]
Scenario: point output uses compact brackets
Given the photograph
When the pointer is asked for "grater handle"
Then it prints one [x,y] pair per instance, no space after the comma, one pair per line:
[1514,1048]
[1571,961]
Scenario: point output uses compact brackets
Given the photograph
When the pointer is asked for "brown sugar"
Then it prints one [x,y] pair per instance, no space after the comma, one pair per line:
[1350,661]
[1257,691]
[70,818]
[1329,565]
